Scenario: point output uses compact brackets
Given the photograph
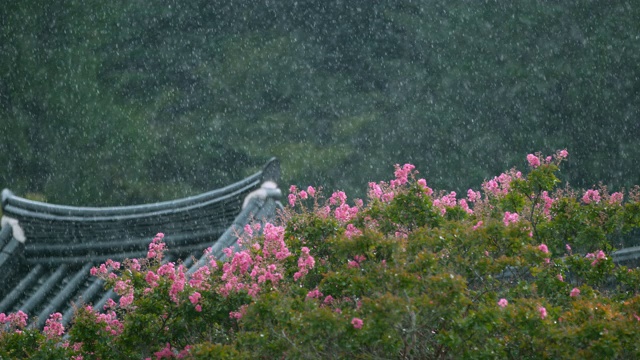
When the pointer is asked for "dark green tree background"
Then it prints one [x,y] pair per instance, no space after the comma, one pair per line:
[123,102]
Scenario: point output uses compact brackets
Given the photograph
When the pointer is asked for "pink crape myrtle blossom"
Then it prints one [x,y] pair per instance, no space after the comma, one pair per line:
[345,213]
[548,203]
[562,154]
[574,292]
[165,353]
[125,290]
[477,225]
[543,312]
[305,263]
[292,199]
[500,185]
[338,198]
[134,265]
[110,304]
[274,242]
[238,314]
[352,231]
[597,257]
[591,196]
[328,300]
[375,191]
[17,320]
[503,303]
[195,297]
[446,201]
[156,247]
[423,184]
[473,196]
[464,206]
[560,278]
[152,279]
[510,218]
[248,231]
[357,323]
[314,294]
[491,187]
[616,198]
[533,160]
[311,191]
[324,212]
[543,248]
[402,174]
[105,269]
[199,280]
[109,318]
[53,327]
[388,196]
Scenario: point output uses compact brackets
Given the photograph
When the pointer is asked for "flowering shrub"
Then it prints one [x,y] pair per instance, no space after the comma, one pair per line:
[518,269]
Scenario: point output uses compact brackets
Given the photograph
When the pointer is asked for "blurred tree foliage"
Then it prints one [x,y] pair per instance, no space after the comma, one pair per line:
[118,102]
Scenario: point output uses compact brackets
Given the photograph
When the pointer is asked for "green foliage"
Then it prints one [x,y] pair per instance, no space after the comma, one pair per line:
[395,278]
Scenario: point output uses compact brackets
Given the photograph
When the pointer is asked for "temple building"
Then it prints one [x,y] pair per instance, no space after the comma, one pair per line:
[47,251]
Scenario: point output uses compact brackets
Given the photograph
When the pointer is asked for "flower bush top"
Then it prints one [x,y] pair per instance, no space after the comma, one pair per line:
[519,268]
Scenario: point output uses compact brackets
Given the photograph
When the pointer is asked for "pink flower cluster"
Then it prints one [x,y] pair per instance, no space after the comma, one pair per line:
[171,353]
[533,160]
[351,231]
[543,248]
[503,303]
[357,323]
[199,280]
[125,290]
[547,204]
[305,263]
[543,312]
[249,269]
[597,257]
[616,198]
[402,174]
[194,298]
[356,262]
[238,314]
[156,247]
[314,294]
[294,194]
[500,185]
[338,198]
[423,184]
[105,268]
[473,196]
[591,196]
[112,325]
[510,218]
[53,328]
[274,242]
[18,320]
[446,201]
[562,154]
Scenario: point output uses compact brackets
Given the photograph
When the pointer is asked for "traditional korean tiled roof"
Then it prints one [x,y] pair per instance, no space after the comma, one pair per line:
[47,251]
